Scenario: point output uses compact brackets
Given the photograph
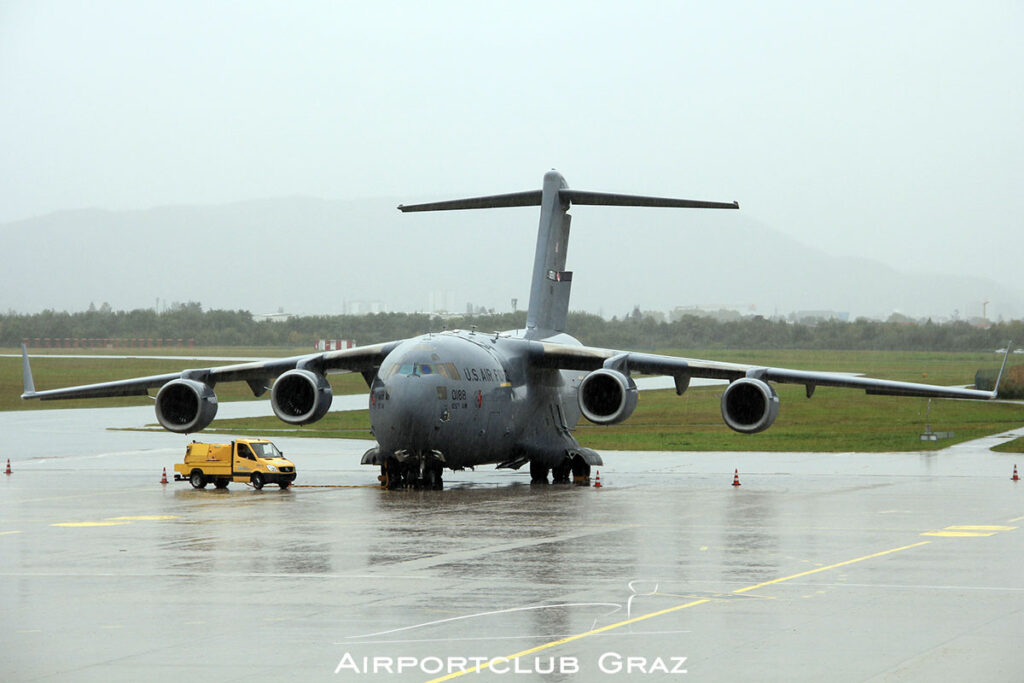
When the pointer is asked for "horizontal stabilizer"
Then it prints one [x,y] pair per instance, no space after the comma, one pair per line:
[568,197]
[497,201]
[607,199]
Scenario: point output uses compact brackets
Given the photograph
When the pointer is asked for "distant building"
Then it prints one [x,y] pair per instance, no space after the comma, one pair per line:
[334,344]
[441,301]
[814,317]
[271,317]
[721,314]
[364,307]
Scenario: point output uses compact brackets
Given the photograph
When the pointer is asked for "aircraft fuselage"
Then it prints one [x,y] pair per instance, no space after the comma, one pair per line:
[473,399]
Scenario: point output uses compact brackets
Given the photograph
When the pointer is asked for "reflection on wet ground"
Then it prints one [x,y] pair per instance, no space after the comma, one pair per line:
[815,568]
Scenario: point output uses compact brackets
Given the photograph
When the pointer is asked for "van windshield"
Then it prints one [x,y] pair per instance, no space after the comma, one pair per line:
[265,450]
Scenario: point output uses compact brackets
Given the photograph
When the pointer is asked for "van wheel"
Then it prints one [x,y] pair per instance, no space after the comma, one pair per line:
[285,484]
[257,480]
[197,479]
[221,483]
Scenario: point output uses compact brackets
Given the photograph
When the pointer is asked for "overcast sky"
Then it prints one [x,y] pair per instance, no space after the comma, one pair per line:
[885,130]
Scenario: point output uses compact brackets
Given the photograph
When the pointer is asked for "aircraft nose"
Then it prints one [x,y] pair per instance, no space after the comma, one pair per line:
[409,413]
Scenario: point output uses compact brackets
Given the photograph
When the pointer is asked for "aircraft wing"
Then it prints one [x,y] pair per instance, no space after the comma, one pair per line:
[256,374]
[560,356]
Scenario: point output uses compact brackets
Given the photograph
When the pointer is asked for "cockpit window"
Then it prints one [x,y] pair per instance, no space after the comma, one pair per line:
[447,370]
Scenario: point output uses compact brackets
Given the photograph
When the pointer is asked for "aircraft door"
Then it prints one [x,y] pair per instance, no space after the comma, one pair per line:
[497,426]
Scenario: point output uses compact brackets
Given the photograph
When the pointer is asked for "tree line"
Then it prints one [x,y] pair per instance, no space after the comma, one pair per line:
[634,331]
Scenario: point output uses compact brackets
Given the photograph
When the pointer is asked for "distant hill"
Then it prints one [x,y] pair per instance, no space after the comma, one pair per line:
[306,255]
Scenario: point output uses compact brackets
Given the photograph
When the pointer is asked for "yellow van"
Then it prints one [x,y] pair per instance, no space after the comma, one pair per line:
[247,461]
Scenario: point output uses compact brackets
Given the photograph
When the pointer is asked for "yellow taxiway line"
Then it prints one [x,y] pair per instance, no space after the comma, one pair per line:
[651,615]
[969,531]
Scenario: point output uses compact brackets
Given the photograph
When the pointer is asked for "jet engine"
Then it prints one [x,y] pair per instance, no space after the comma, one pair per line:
[301,396]
[607,396]
[749,405]
[185,406]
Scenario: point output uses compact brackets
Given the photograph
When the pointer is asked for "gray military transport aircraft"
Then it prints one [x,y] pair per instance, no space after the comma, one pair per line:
[459,399]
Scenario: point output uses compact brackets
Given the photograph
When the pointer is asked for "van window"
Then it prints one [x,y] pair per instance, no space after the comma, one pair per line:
[267,451]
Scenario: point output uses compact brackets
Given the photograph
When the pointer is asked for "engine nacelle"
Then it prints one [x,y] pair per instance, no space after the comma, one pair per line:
[185,406]
[301,396]
[749,405]
[607,396]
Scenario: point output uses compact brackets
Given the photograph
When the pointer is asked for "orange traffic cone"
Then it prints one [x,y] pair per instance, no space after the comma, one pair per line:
[8,470]
[1014,477]
[597,480]
[736,478]
[163,479]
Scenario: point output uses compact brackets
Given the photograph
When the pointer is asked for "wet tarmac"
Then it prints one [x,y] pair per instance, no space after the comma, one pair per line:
[839,567]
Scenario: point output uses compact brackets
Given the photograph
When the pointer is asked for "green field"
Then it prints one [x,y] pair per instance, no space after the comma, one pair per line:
[833,420]
[1015,446]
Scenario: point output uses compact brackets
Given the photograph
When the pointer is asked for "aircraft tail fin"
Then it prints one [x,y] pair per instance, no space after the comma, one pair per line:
[551,283]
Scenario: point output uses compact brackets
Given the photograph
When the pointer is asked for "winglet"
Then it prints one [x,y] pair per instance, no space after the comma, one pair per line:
[30,386]
[999,378]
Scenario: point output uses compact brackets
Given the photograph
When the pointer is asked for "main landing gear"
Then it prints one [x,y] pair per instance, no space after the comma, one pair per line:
[539,473]
[419,472]
[570,471]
